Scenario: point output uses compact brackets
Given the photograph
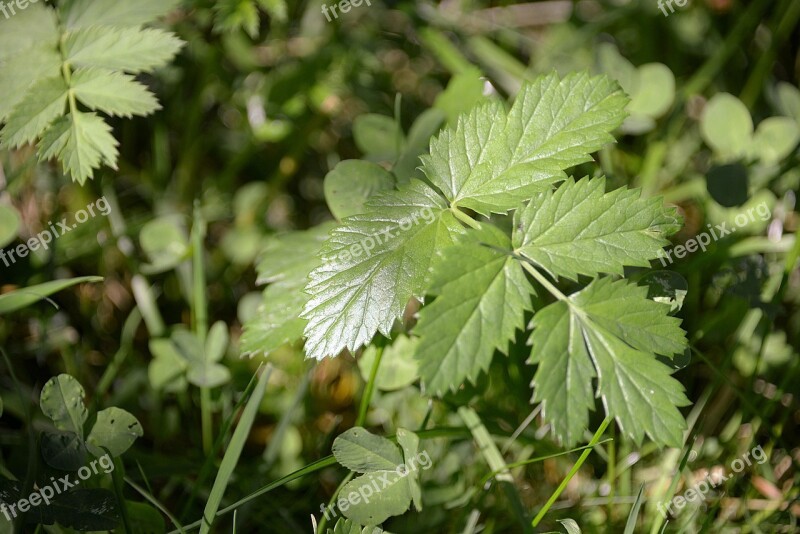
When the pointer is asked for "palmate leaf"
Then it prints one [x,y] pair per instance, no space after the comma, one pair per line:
[81,141]
[128,49]
[113,93]
[580,230]
[493,160]
[373,264]
[609,330]
[482,297]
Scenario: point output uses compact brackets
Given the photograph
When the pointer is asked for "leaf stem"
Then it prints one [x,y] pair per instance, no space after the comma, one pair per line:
[544,281]
[463,217]
[200,318]
[585,454]
[366,398]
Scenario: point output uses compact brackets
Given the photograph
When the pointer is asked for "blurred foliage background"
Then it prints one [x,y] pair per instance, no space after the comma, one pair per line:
[267,96]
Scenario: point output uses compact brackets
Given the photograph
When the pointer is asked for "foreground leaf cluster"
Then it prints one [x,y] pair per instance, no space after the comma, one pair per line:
[421,241]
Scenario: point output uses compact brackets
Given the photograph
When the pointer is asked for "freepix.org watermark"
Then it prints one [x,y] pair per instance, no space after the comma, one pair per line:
[717,232]
[377,484]
[57,485]
[368,244]
[343,6]
[699,490]
[43,239]
[13,6]
[664,4]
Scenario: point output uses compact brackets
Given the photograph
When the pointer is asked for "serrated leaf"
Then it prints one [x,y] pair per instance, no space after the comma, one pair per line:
[62,401]
[482,297]
[492,160]
[129,49]
[361,451]
[44,103]
[19,72]
[580,230]
[288,258]
[112,92]
[373,264]
[612,331]
[34,25]
[81,142]
[115,430]
[85,13]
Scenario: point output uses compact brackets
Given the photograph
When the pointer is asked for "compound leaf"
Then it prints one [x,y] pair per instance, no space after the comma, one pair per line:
[490,161]
[482,297]
[579,230]
[43,104]
[84,13]
[609,330]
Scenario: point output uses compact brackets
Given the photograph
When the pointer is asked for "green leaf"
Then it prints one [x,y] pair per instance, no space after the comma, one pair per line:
[611,331]
[82,142]
[351,183]
[115,430]
[419,139]
[21,298]
[788,97]
[43,104]
[84,509]
[726,126]
[34,25]
[392,499]
[409,443]
[9,224]
[167,369]
[85,13]
[373,264]
[346,526]
[464,91]
[775,138]
[128,49]
[165,242]
[287,259]
[493,160]
[655,91]
[379,137]
[144,519]
[667,287]
[19,72]
[580,230]
[398,367]
[62,401]
[113,93]
[217,341]
[482,297]
[363,452]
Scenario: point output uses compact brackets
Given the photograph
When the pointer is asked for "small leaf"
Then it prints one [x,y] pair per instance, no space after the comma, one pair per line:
[81,142]
[128,49]
[217,341]
[360,451]
[655,91]
[144,519]
[167,370]
[463,92]
[43,104]
[19,72]
[580,230]
[85,13]
[208,375]
[788,97]
[112,92]
[570,525]
[775,139]
[726,126]
[62,401]
[165,243]
[351,183]
[409,443]
[390,499]
[115,430]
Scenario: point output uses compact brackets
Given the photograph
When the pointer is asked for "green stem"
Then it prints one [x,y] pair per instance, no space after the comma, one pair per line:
[544,281]
[200,318]
[323,522]
[366,398]
[584,455]
[463,217]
